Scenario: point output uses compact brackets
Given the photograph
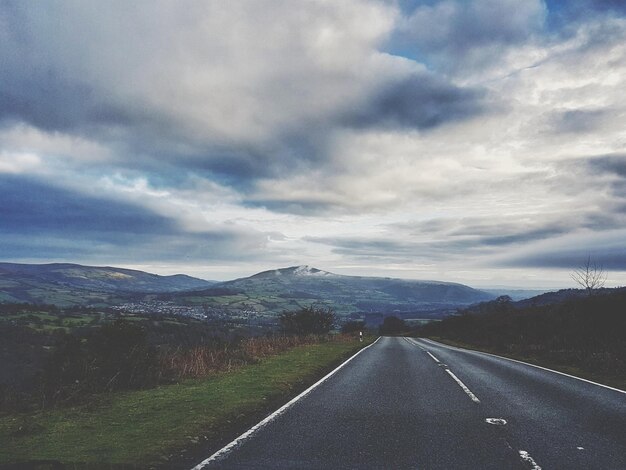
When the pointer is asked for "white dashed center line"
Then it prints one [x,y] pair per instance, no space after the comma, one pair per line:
[434,358]
[496,421]
[525,456]
[456,379]
[463,386]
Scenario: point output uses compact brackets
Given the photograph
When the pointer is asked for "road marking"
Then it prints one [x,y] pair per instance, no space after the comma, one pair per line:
[423,349]
[456,379]
[496,421]
[434,358]
[228,447]
[463,386]
[522,362]
[525,456]
[412,341]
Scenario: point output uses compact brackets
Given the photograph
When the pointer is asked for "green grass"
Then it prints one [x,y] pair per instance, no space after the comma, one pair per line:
[47,322]
[145,427]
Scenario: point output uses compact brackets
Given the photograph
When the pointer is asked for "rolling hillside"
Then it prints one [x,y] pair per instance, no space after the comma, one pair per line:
[274,291]
[265,294]
[68,284]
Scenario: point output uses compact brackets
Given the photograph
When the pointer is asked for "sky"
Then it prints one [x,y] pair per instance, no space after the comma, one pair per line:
[474,141]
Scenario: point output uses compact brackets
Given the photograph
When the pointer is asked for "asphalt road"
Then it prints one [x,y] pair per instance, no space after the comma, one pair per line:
[412,403]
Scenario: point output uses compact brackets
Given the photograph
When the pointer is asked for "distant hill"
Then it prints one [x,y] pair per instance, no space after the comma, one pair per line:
[68,284]
[322,284]
[265,294]
[545,299]
[516,294]
[549,298]
[274,291]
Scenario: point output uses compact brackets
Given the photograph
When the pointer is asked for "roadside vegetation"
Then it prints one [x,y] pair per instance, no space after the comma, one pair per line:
[51,357]
[582,336]
[160,426]
[393,326]
[145,391]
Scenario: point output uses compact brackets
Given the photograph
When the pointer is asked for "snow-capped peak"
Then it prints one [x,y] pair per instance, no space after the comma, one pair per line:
[306,270]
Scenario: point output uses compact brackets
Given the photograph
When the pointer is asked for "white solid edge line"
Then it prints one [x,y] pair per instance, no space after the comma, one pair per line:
[228,447]
[463,386]
[522,362]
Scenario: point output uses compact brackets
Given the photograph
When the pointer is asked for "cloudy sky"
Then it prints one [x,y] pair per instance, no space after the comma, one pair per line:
[479,141]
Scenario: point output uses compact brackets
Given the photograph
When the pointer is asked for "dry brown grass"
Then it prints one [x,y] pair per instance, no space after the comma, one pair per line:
[201,361]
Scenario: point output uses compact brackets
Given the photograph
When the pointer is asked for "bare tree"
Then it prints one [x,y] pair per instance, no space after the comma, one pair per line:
[590,276]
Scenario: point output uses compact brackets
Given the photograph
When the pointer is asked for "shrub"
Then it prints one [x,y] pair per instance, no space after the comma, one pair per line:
[392,325]
[115,357]
[308,321]
[353,326]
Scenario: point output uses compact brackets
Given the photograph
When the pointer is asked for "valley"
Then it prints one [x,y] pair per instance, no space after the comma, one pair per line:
[258,298]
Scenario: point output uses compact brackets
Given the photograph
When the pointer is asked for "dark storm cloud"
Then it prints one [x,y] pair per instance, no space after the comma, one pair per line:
[448,34]
[609,257]
[51,104]
[298,206]
[579,120]
[420,101]
[489,231]
[31,206]
[52,79]
[40,220]
[608,164]
[522,237]
[397,250]
[92,248]
[612,167]
[366,247]
[42,90]
[450,238]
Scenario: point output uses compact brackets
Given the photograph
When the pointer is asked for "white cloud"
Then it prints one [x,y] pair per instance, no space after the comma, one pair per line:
[292,123]
[18,162]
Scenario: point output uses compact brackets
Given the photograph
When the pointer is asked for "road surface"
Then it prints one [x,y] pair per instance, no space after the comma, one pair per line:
[413,403]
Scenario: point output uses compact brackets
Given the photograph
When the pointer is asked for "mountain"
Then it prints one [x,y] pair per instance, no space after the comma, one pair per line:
[260,297]
[67,284]
[318,284]
[271,292]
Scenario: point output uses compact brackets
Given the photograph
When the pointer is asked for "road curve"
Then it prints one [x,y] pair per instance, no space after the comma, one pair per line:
[414,403]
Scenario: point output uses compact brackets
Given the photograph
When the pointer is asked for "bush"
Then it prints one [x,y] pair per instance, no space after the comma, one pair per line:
[115,357]
[392,326]
[352,326]
[308,321]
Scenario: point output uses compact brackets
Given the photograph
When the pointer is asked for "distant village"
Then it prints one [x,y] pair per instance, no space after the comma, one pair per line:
[200,312]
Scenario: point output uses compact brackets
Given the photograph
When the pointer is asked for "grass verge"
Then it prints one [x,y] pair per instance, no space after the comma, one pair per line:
[150,428]
[571,369]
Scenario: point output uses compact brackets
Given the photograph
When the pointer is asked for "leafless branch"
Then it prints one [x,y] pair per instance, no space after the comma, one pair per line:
[590,276]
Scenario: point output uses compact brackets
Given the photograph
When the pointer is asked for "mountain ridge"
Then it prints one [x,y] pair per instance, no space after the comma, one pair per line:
[67,283]
[266,293]
[295,286]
